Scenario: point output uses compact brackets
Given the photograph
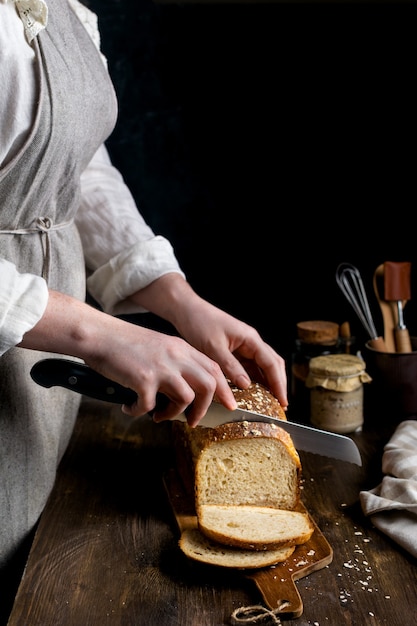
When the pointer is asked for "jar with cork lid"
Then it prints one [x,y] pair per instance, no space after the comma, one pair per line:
[336,392]
[314,338]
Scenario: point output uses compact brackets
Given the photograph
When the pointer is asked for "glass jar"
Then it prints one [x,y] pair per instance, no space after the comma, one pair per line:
[336,392]
[314,338]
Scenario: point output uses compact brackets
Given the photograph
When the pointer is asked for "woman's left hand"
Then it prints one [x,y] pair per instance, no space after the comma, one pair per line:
[236,346]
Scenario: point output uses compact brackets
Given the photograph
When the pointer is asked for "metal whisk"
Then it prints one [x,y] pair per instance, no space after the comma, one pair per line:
[350,282]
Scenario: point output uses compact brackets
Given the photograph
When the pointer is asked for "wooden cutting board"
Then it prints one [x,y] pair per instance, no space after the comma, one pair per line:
[276,583]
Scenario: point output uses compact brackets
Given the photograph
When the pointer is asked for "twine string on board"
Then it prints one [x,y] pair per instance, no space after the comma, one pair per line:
[257,614]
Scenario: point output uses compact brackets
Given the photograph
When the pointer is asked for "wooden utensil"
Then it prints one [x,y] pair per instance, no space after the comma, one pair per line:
[276,583]
[387,311]
[397,291]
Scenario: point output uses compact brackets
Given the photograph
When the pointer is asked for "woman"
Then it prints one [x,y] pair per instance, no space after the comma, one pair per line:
[63,207]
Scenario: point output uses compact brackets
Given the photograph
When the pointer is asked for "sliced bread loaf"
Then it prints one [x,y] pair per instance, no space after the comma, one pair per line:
[245,478]
[188,442]
[254,527]
[198,547]
[247,463]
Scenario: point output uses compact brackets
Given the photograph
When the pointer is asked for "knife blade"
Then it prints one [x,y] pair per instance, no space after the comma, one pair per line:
[304,437]
[82,379]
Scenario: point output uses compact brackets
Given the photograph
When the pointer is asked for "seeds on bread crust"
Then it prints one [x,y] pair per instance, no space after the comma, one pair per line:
[259,399]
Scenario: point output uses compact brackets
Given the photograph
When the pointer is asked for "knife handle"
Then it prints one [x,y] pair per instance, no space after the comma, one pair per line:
[82,379]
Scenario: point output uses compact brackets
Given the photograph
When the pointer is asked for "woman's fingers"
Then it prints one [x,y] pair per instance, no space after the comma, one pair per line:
[189,390]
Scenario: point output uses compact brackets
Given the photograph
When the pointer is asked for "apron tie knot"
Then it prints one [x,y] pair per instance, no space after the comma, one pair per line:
[44,224]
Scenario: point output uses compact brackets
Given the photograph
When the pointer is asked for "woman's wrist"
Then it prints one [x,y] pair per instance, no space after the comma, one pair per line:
[167,297]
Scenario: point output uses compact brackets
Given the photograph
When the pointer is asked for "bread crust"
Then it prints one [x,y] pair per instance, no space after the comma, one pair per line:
[259,399]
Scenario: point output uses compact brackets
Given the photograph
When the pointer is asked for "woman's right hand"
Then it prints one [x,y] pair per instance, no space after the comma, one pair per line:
[151,362]
[144,360]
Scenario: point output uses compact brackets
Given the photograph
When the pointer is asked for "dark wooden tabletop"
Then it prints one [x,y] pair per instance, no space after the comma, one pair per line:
[106,549]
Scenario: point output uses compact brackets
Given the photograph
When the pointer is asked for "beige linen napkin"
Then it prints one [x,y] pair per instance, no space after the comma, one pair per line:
[392,505]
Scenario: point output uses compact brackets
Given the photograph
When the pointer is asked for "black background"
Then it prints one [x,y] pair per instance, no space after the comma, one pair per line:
[270,142]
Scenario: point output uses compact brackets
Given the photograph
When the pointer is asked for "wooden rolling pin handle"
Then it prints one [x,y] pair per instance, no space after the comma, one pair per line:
[378,343]
[402,340]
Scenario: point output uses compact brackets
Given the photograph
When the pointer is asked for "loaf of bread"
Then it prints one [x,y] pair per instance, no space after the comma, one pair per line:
[188,442]
[252,463]
[247,463]
[198,547]
[247,485]
[245,479]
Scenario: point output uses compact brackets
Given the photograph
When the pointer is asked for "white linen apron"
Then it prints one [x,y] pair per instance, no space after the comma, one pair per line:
[39,195]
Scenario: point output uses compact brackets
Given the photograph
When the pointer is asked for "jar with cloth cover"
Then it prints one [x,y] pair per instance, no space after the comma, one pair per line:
[336,392]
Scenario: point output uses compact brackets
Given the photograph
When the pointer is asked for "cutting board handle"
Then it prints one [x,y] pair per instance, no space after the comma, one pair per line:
[268,587]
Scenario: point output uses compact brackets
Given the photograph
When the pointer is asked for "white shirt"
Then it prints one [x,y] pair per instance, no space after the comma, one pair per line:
[121,251]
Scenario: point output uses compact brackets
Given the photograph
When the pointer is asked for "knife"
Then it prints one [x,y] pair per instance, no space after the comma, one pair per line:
[82,379]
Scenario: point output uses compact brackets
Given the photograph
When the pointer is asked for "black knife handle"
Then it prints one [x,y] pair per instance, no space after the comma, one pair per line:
[82,379]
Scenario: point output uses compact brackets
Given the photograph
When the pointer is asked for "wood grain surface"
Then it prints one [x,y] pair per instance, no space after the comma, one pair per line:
[106,548]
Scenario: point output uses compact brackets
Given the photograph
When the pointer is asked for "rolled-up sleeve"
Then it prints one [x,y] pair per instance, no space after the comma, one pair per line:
[123,254]
[23,300]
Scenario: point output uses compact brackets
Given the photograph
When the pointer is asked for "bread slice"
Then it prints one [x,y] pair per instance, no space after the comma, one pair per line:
[254,527]
[247,463]
[198,547]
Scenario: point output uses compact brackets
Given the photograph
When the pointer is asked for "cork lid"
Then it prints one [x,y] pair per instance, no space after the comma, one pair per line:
[318,332]
[340,372]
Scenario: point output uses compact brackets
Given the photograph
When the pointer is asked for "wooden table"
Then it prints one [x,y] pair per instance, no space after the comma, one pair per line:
[106,548]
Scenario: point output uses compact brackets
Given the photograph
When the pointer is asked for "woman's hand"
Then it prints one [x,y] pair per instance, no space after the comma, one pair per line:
[234,345]
[237,347]
[144,360]
[190,371]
